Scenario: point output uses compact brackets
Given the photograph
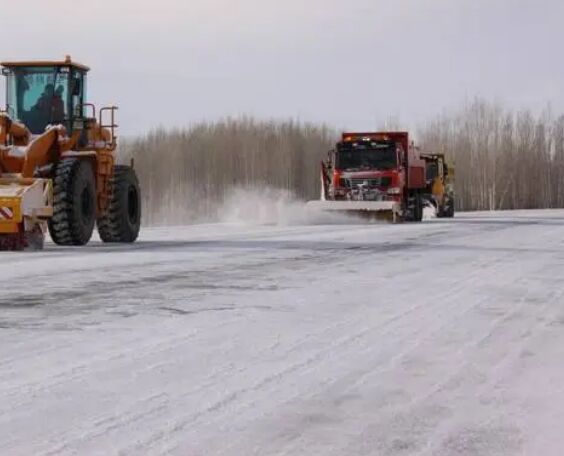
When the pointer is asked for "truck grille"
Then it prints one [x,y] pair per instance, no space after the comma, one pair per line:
[372,182]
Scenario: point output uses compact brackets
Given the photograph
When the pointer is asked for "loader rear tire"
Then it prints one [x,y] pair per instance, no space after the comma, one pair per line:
[450,211]
[74,202]
[122,220]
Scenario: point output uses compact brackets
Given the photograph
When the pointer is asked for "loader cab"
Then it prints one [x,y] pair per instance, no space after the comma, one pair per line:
[435,166]
[40,94]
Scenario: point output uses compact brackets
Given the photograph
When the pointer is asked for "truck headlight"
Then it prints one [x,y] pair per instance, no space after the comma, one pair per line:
[394,191]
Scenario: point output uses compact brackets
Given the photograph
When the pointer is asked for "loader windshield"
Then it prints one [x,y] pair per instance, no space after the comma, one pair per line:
[38,96]
[367,156]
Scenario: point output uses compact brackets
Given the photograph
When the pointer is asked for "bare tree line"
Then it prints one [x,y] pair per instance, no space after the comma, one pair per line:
[503,160]
[185,174]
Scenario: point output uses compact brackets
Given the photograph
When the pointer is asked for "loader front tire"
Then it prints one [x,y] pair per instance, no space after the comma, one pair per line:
[74,202]
[122,220]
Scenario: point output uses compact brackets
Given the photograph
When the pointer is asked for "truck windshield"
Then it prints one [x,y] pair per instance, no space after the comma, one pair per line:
[362,158]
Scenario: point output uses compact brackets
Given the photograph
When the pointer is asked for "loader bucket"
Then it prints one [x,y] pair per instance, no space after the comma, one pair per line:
[374,210]
[25,205]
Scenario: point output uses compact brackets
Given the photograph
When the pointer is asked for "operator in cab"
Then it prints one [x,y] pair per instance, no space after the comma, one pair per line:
[50,104]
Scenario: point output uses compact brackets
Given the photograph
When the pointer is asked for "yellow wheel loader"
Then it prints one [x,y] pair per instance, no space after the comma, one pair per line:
[439,190]
[57,161]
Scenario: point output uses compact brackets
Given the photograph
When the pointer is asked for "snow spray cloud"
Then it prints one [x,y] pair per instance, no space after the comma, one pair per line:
[268,206]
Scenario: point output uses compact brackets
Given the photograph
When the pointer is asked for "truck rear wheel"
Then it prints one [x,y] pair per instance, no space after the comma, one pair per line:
[74,202]
[419,208]
[415,206]
[122,220]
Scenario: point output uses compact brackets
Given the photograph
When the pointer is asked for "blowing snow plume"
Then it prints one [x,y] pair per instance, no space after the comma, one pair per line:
[267,206]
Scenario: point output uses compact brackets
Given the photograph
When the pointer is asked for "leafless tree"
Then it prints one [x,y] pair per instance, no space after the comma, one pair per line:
[503,159]
[186,173]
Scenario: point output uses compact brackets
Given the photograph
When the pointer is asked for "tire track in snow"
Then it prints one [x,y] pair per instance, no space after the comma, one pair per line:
[158,407]
[311,362]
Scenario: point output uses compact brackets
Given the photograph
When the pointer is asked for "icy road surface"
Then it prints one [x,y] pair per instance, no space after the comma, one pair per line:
[444,338]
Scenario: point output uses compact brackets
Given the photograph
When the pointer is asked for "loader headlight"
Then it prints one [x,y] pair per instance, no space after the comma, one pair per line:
[394,191]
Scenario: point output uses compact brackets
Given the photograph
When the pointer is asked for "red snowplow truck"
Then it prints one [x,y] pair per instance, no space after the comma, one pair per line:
[378,175]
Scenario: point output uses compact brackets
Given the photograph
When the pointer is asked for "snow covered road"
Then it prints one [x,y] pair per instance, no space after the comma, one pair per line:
[443,338]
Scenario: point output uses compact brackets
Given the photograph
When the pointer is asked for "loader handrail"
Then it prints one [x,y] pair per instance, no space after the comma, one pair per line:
[88,105]
[112,125]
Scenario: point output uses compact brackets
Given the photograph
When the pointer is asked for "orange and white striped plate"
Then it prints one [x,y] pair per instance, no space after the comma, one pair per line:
[6,213]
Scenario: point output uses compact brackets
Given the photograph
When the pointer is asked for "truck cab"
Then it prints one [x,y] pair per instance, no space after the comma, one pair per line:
[366,168]
[374,166]
[380,168]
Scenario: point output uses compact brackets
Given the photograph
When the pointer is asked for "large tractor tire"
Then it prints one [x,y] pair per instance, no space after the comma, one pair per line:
[447,211]
[74,202]
[122,220]
[450,210]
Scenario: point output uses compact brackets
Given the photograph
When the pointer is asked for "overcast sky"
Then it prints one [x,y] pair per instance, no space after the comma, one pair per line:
[350,63]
